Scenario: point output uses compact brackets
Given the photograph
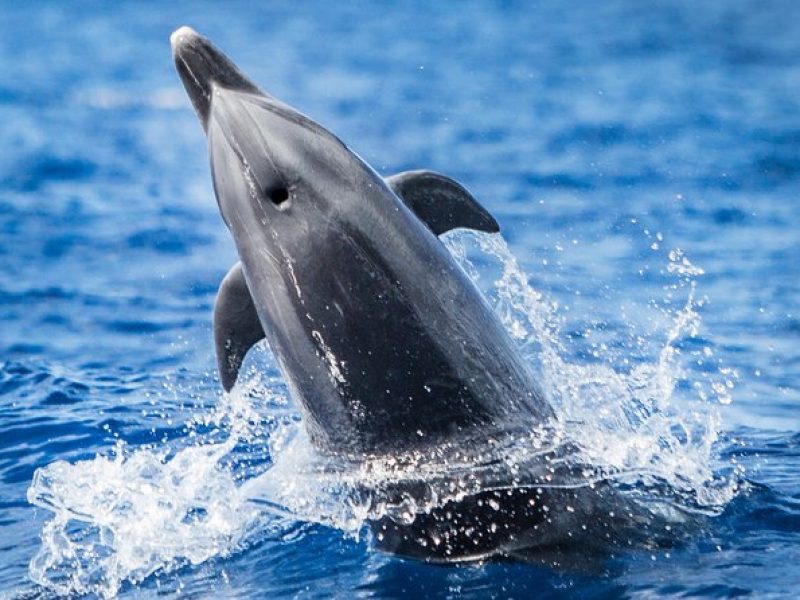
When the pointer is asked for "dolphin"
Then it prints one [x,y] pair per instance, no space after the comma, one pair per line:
[386,345]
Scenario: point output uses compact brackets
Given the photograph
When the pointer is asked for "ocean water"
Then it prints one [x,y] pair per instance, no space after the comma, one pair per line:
[643,161]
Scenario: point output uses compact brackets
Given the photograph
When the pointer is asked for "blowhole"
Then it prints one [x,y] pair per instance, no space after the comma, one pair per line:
[279,195]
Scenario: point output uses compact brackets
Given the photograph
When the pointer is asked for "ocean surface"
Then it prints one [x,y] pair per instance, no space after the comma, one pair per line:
[643,161]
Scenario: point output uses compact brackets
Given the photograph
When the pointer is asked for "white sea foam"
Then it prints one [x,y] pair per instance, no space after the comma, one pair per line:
[652,428]
[632,423]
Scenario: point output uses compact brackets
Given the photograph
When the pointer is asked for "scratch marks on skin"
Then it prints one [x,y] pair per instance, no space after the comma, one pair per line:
[293,277]
[248,176]
[268,255]
[334,368]
[197,83]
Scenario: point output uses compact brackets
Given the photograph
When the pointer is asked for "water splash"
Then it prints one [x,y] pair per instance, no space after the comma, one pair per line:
[651,426]
[247,468]
[136,511]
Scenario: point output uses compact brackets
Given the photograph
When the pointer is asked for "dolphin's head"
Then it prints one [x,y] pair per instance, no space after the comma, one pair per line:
[202,68]
[270,164]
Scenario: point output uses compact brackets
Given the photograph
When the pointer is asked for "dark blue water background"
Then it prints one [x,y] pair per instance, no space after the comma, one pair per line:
[602,135]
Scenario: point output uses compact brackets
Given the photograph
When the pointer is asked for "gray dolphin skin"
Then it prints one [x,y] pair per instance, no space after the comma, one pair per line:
[386,345]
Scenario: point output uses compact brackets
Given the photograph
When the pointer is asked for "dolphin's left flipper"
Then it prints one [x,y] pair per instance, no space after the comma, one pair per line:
[440,202]
[236,325]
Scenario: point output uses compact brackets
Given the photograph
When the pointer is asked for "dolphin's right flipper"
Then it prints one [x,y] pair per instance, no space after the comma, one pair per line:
[440,202]
[236,325]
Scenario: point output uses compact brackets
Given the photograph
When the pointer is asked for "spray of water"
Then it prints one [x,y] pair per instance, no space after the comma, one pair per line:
[650,429]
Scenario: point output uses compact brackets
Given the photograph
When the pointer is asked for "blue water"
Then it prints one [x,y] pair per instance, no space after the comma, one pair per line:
[612,141]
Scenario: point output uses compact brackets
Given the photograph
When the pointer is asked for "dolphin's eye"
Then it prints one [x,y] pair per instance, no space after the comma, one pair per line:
[278,195]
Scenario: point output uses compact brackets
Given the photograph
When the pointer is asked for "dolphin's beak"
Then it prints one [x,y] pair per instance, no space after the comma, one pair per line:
[202,68]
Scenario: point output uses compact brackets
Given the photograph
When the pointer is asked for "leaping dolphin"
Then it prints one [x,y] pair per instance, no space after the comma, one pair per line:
[385,343]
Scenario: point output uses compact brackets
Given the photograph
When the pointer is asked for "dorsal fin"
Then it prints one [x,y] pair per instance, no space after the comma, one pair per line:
[440,202]
[236,325]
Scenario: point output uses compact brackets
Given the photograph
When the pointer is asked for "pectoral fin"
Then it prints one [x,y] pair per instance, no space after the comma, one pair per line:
[236,325]
[440,202]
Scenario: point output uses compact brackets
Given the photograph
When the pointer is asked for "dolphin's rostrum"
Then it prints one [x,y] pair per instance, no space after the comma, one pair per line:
[385,344]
